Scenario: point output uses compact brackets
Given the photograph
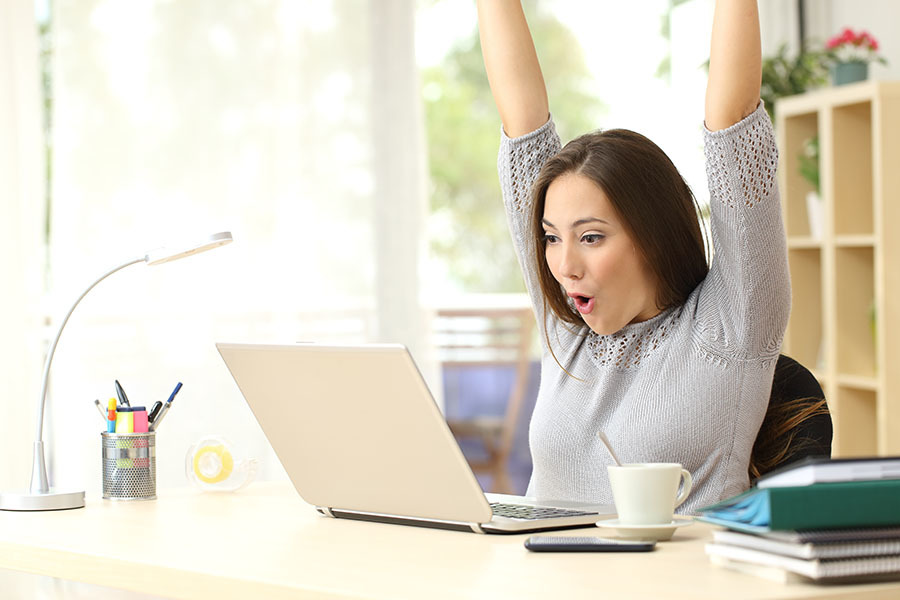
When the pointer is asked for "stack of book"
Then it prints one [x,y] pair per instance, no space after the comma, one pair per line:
[819,519]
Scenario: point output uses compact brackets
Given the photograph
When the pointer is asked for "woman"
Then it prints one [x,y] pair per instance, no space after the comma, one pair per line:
[671,359]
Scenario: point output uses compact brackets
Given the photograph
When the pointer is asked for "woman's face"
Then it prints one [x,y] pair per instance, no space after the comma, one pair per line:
[592,256]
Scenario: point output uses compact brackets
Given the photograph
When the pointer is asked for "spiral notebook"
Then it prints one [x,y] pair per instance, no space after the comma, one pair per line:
[779,567]
[853,548]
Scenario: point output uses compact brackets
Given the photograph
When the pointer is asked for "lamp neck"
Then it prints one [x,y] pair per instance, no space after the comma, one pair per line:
[38,438]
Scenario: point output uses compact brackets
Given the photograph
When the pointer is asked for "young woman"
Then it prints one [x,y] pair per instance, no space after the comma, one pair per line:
[672,359]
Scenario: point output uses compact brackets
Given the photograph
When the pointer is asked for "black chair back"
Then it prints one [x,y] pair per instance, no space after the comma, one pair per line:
[797,423]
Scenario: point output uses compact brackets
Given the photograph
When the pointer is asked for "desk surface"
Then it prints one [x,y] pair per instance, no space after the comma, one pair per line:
[265,542]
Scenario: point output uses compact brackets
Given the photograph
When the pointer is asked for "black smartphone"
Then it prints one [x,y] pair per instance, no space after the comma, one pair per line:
[549,543]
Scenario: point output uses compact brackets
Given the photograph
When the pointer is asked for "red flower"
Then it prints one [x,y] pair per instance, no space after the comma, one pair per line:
[849,45]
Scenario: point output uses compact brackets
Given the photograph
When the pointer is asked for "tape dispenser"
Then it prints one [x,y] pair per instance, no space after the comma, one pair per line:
[210,465]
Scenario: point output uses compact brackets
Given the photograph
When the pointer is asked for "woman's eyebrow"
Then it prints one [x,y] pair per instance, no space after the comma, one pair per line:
[587,220]
[579,222]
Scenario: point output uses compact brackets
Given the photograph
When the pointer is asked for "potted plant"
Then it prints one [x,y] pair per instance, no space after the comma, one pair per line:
[849,54]
[786,76]
[808,166]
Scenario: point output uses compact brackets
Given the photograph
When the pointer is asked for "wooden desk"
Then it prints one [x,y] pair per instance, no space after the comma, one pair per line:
[265,543]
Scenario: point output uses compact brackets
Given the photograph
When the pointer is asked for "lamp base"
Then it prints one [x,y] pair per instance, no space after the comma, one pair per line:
[52,500]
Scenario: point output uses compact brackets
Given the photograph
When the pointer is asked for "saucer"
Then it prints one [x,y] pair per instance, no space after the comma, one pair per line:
[656,531]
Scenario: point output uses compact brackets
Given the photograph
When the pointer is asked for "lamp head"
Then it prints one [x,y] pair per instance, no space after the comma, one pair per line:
[164,255]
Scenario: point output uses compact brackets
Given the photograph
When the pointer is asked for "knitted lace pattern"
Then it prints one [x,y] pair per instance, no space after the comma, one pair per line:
[691,385]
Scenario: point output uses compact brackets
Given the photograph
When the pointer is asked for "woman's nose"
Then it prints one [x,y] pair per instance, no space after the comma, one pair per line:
[570,266]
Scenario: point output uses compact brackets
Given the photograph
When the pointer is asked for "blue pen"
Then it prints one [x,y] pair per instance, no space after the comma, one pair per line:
[174,392]
[165,409]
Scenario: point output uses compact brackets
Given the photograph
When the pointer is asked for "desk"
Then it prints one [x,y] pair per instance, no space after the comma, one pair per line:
[264,542]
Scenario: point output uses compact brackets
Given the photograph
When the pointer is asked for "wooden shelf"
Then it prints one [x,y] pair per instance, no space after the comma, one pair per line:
[854,241]
[804,243]
[845,325]
[858,382]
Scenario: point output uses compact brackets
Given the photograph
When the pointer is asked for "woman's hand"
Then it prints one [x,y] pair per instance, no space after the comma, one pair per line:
[735,64]
[512,66]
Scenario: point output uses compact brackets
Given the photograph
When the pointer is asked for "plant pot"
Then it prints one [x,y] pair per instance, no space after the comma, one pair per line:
[815,215]
[849,72]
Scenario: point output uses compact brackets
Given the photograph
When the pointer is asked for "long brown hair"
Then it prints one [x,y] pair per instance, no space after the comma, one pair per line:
[656,206]
[797,421]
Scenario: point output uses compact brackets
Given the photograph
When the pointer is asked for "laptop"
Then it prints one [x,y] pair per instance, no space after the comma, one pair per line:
[361,437]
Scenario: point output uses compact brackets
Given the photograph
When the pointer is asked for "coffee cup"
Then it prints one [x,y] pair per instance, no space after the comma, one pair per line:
[647,493]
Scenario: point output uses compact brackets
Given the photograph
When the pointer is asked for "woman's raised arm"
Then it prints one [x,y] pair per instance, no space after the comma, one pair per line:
[735,64]
[512,66]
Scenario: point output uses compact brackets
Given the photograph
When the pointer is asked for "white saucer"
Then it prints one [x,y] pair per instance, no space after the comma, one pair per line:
[660,532]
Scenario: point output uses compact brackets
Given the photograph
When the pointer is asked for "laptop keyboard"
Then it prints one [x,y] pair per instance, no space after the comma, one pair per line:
[530,513]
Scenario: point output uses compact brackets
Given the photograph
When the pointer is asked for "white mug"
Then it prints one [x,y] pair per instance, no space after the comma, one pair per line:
[647,493]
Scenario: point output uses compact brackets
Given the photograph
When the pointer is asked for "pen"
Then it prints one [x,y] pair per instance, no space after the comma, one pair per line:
[121,394]
[174,392]
[111,416]
[165,408]
[155,410]
[100,409]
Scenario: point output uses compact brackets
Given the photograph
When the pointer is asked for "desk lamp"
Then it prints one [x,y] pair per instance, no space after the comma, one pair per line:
[40,495]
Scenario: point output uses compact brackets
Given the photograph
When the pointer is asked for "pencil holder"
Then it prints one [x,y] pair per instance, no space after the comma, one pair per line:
[129,466]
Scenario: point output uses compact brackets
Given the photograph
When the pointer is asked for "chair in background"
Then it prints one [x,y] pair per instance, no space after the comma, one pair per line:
[797,423]
[475,341]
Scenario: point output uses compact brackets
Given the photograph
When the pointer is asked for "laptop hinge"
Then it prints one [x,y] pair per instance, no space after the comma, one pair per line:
[476,527]
[325,511]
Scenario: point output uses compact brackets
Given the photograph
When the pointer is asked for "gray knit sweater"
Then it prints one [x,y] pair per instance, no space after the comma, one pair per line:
[690,385]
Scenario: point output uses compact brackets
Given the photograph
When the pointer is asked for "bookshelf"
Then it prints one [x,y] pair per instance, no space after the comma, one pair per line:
[845,318]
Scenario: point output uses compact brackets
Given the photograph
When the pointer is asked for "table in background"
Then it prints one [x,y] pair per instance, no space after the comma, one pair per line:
[265,542]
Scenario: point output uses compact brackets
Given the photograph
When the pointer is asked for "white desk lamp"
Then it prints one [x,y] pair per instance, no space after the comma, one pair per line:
[40,495]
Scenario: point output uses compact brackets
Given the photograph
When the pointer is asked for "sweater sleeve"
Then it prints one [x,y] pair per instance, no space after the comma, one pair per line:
[519,162]
[744,302]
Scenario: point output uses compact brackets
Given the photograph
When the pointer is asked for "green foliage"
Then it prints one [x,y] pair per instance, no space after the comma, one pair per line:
[785,76]
[809,161]
[468,224]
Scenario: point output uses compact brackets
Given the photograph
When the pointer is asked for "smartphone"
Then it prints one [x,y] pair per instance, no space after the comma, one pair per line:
[548,543]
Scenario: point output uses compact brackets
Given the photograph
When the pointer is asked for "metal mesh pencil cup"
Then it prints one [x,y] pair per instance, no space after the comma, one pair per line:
[129,466]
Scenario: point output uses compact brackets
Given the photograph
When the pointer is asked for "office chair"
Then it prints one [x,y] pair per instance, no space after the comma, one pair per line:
[472,342]
[797,423]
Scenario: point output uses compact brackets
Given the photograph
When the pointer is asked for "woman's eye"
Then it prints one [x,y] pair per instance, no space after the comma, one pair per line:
[591,238]
[550,238]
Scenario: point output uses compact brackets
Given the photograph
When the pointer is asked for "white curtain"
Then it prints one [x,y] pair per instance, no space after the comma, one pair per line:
[293,124]
[21,249]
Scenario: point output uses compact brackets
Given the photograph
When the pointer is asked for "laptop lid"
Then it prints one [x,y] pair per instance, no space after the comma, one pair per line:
[356,429]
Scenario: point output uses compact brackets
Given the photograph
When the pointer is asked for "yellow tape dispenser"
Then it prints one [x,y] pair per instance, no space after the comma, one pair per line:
[210,465]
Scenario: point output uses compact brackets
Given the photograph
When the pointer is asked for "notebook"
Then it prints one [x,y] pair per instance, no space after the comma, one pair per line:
[811,550]
[837,570]
[824,470]
[361,437]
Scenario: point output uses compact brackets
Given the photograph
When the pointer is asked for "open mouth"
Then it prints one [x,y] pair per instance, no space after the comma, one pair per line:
[583,304]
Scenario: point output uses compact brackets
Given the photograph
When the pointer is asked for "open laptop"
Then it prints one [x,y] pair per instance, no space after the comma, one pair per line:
[361,437]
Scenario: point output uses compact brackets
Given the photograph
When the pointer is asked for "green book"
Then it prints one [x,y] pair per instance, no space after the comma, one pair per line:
[817,506]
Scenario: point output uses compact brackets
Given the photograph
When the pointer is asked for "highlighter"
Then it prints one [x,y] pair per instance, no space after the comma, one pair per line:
[139,419]
[111,416]
[124,420]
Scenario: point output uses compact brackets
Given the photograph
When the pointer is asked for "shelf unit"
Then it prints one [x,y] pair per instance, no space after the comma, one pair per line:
[846,282]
